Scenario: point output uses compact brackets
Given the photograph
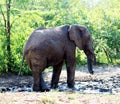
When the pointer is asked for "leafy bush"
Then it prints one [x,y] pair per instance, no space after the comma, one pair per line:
[102,20]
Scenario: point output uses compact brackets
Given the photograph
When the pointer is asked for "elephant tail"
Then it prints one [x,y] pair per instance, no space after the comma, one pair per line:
[23,57]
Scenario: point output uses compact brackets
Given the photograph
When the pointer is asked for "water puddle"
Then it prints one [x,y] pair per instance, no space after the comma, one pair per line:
[110,85]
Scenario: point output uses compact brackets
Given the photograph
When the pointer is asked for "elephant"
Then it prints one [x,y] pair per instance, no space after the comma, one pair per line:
[52,47]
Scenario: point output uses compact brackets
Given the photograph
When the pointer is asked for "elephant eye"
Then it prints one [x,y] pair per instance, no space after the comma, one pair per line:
[80,33]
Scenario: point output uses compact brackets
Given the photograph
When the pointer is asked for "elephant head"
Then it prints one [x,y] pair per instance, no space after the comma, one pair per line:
[82,39]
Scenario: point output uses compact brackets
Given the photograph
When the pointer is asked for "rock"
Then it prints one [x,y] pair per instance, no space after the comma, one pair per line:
[103,90]
[3,89]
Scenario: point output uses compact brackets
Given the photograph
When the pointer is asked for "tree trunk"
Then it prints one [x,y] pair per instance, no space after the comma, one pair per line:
[8,4]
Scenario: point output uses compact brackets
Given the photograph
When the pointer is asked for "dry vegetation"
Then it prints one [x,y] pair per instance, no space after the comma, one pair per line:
[57,98]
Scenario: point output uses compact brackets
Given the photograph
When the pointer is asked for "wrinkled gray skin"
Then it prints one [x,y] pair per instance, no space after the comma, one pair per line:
[53,46]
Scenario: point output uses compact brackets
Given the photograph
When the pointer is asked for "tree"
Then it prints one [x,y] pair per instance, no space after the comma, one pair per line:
[7,31]
[20,17]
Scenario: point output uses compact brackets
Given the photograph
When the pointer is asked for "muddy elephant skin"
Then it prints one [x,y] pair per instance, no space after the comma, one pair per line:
[53,47]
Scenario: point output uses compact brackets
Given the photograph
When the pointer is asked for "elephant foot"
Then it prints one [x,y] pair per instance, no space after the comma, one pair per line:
[73,88]
[54,86]
[92,72]
[44,88]
[36,88]
[70,85]
[41,89]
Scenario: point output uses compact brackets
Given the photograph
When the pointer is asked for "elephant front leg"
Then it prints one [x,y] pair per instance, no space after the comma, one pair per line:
[56,74]
[70,64]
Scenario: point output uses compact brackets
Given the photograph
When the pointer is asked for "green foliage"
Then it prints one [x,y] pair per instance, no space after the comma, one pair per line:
[102,18]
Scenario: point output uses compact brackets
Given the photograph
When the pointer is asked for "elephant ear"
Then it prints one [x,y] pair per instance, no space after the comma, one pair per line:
[76,35]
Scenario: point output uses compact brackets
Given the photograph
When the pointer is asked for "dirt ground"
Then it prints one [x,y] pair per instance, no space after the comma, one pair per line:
[101,72]
[57,98]
[81,74]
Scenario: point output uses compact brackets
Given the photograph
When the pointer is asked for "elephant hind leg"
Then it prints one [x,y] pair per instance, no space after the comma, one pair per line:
[37,69]
[56,74]
[43,86]
[36,74]
[39,83]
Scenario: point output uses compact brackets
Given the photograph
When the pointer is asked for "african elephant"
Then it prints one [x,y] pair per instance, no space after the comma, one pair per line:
[53,46]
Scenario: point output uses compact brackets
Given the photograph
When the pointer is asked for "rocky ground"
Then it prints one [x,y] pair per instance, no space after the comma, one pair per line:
[105,80]
[101,88]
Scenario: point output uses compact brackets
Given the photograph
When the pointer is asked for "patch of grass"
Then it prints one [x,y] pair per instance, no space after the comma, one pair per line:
[76,102]
[58,98]
[48,100]
[71,97]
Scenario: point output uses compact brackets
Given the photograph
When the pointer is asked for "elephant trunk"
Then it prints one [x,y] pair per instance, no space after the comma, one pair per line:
[90,61]
[89,51]
[90,65]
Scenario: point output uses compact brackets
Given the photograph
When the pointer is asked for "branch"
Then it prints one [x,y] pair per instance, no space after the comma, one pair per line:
[107,55]
[14,21]
[5,23]
[8,5]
